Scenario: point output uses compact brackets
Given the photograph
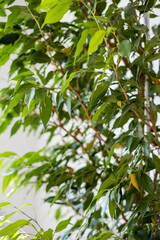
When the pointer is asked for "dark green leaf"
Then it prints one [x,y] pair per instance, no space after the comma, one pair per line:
[147,183]
[46,110]
[15,127]
[99,92]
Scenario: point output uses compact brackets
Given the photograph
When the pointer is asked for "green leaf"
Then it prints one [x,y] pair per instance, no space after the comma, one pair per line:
[67,82]
[80,44]
[157,162]
[152,57]
[62,225]
[100,91]
[58,214]
[59,193]
[112,207]
[3,204]
[46,110]
[129,9]
[110,30]
[7,154]
[99,111]
[110,154]
[12,18]
[56,14]
[26,111]
[15,127]
[41,94]
[29,95]
[111,181]
[147,183]
[15,100]
[103,235]
[39,57]
[47,235]
[124,48]
[96,40]
[45,4]
[13,227]
[24,74]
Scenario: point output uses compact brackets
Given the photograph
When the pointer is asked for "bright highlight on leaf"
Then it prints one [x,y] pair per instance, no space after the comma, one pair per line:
[134,181]
[96,40]
[45,4]
[56,14]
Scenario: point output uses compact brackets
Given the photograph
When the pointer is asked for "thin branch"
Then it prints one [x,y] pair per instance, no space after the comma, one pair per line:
[62,127]
[87,113]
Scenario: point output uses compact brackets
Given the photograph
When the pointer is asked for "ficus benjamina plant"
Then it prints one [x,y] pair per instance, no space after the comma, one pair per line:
[86,73]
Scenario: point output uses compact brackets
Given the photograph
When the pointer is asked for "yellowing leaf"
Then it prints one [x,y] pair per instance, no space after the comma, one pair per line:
[90,145]
[134,181]
[118,145]
[66,51]
[155,80]
[119,103]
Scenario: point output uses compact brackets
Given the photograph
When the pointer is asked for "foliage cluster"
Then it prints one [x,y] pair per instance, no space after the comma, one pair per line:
[83,81]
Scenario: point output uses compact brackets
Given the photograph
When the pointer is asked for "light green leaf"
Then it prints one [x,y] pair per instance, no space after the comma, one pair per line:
[67,82]
[96,40]
[45,4]
[7,154]
[62,225]
[23,75]
[45,110]
[29,95]
[3,204]
[15,100]
[47,235]
[80,44]
[13,227]
[124,48]
[99,111]
[26,111]
[110,30]
[56,14]
[103,235]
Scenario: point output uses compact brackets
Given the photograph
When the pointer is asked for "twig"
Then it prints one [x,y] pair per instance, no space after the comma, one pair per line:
[87,113]
[62,127]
